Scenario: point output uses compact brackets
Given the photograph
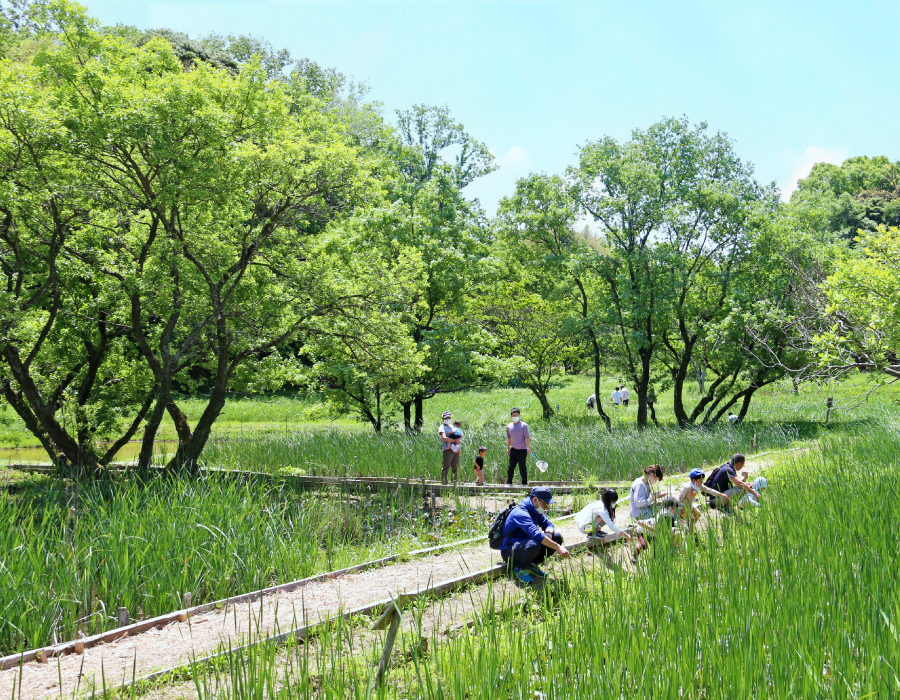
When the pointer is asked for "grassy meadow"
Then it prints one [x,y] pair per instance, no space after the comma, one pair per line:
[575,442]
[70,556]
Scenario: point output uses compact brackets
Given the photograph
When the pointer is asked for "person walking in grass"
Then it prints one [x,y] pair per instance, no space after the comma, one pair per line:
[727,485]
[529,537]
[597,520]
[687,509]
[625,395]
[518,447]
[449,455]
[479,466]
[616,397]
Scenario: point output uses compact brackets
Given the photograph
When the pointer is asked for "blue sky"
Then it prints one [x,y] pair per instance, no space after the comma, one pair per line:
[793,83]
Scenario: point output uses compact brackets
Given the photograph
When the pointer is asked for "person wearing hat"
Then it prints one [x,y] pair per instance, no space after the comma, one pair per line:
[529,537]
[450,456]
[518,447]
[687,495]
[726,483]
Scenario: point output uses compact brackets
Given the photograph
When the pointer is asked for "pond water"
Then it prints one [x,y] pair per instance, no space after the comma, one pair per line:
[128,453]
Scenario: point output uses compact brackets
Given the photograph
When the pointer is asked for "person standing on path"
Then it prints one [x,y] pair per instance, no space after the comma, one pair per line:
[518,447]
[529,537]
[449,456]
[616,397]
[625,396]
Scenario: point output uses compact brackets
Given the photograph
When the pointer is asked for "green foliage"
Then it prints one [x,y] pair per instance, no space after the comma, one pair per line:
[860,194]
[863,297]
[190,218]
[678,211]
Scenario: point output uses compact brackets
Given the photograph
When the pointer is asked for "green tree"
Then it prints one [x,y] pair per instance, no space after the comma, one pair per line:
[538,224]
[424,216]
[532,336]
[676,207]
[207,192]
[863,307]
[860,194]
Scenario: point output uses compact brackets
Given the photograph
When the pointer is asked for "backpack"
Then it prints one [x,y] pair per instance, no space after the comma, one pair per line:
[712,477]
[495,534]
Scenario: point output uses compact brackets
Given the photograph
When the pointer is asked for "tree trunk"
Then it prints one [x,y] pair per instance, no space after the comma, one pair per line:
[600,411]
[187,455]
[72,457]
[420,412]
[681,416]
[20,406]
[407,415]
[642,384]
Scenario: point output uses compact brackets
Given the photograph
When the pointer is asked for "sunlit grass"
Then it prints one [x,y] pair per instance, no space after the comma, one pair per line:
[796,599]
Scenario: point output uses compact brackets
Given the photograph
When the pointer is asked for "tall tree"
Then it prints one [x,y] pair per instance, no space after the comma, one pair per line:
[425,214]
[863,308]
[533,336]
[675,205]
[538,224]
[207,194]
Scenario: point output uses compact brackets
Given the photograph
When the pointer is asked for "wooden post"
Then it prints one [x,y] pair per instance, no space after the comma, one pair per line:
[393,617]
[682,464]
[753,444]
[186,601]
[123,617]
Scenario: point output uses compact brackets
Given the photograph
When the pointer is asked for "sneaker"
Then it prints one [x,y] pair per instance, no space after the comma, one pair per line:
[537,570]
[522,575]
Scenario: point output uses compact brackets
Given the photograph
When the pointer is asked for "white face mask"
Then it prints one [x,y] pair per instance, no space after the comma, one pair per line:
[542,511]
[695,487]
[447,422]
[515,419]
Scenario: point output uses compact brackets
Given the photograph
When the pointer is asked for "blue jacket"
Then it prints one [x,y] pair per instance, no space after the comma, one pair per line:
[524,523]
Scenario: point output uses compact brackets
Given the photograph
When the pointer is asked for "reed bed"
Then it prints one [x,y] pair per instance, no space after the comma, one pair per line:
[575,452]
[796,599]
[69,557]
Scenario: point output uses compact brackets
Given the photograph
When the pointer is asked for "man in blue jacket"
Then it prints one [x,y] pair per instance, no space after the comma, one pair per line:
[528,537]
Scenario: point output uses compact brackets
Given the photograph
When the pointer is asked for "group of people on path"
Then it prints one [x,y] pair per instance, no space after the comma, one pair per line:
[518,447]
[620,397]
[529,537]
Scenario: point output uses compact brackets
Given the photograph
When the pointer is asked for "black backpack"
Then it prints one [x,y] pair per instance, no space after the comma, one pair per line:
[712,476]
[495,534]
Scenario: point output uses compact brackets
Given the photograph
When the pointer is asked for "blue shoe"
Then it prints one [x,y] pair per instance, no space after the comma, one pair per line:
[522,575]
[537,570]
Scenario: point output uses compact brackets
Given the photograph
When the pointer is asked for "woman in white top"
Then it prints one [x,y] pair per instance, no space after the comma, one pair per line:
[592,519]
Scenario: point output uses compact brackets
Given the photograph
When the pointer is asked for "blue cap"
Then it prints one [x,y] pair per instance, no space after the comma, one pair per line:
[543,493]
[696,473]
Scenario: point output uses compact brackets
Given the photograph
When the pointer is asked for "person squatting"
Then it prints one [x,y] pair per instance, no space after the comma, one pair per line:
[529,537]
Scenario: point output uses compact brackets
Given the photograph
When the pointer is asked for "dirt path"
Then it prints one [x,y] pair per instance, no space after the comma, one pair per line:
[179,643]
